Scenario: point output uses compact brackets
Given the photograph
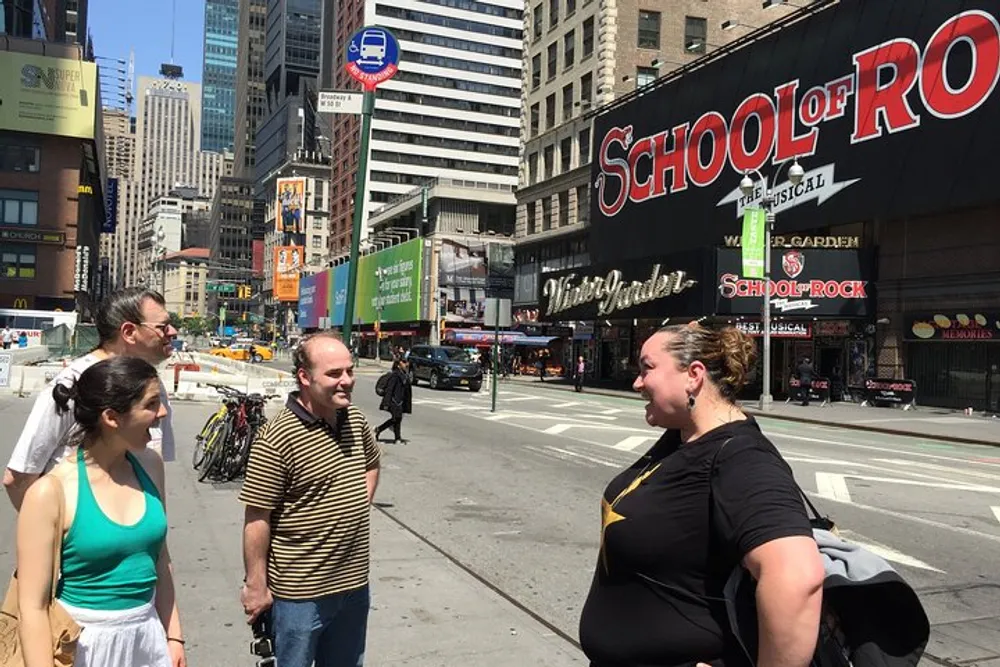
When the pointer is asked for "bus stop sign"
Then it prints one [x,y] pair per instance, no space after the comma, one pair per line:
[372,56]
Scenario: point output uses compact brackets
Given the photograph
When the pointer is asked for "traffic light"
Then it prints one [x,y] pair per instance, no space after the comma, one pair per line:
[244,292]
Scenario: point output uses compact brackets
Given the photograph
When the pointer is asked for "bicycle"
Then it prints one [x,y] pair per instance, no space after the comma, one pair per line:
[222,449]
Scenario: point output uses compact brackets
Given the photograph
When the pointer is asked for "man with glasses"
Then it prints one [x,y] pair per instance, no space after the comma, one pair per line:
[132,322]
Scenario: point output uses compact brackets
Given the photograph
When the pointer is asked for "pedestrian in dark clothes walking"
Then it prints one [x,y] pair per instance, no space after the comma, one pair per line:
[397,400]
[805,379]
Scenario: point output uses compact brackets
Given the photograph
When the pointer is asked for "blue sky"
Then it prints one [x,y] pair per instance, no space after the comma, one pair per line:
[144,26]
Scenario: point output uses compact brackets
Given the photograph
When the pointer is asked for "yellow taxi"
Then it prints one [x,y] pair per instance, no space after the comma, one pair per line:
[240,351]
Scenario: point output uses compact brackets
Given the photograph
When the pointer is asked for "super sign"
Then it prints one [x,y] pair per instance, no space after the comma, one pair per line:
[372,56]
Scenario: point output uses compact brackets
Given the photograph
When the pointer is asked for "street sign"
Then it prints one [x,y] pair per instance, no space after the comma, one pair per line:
[372,56]
[338,101]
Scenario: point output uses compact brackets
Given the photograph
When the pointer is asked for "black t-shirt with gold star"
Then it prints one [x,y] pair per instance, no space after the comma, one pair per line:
[662,561]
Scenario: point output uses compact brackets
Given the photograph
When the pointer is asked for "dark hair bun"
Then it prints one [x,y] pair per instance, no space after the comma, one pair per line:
[62,395]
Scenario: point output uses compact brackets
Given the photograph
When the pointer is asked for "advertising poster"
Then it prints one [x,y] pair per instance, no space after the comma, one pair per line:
[287,264]
[397,290]
[47,95]
[338,294]
[314,299]
[291,206]
[462,263]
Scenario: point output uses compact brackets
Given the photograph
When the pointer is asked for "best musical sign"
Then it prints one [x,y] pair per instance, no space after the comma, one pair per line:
[879,101]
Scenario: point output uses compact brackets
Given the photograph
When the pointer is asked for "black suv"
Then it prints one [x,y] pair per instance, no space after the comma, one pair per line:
[444,366]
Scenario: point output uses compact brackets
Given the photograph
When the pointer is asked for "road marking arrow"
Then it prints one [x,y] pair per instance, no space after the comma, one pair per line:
[832,487]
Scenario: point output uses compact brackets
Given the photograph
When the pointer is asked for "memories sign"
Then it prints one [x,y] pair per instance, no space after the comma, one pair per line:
[879,101]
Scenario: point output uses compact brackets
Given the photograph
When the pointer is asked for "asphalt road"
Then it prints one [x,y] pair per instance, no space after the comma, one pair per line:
[514,496]
[515,493]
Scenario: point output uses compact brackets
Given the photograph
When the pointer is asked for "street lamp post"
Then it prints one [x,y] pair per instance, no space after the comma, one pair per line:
[795,175]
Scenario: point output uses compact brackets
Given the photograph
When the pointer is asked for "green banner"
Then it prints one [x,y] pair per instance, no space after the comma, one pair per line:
[390,278]
[754,221]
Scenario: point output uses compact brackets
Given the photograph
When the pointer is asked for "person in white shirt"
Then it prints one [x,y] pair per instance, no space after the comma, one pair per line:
[132,322]
[6,338]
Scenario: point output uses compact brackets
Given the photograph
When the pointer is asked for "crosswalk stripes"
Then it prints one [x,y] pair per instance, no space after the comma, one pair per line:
[632,443]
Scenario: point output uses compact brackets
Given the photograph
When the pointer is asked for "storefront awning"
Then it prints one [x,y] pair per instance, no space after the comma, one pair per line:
[535,341]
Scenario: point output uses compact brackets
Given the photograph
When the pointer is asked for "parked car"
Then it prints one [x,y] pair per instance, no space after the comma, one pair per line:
[244,352]
[444,366]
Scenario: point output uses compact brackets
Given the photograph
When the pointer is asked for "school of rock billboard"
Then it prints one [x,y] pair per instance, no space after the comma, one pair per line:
[812,283]
[889,107]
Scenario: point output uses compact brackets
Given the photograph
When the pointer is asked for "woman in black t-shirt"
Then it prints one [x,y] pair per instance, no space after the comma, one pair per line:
[670,538]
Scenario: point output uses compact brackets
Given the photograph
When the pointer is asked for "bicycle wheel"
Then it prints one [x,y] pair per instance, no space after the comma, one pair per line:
[215,448]
[202,438]
[229,468]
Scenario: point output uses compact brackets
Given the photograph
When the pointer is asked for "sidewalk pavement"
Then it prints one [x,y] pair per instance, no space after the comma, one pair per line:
[427,612]
[923,422]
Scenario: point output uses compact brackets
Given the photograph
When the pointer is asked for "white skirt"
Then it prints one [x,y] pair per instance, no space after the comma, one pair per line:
[127,638]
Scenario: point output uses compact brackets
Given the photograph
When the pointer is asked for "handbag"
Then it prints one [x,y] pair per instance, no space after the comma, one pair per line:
[65,631]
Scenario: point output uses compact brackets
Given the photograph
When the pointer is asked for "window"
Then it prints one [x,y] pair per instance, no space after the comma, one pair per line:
[553,59]
[586,89]
[582,204]
[645,76]
[547,214]
[570,7]
[549,158]
[553,13]
[536,71]
[534,120]
[17,260]
[588,37]
[318,223]
[585,146]
[550,111]
[563,209]
[533,168]
[567,93]
[19,158]
[649,29]
[566,154]
[569,43]
[19,207]
[315,258]
[536,27]
[317,242]
[532,215]
[695,34]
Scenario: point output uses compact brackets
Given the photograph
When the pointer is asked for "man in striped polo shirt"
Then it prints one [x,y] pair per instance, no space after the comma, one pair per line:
[308,489]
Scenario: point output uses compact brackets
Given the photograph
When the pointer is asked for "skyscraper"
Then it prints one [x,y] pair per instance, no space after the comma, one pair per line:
[452,112]
[168,156]
[291,67]
[218,78]
[250,106]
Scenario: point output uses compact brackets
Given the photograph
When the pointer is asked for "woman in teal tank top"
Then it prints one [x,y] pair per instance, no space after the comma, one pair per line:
[115,569]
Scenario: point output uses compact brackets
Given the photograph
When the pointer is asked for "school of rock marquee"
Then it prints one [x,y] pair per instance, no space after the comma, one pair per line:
[879,102]
[888,106]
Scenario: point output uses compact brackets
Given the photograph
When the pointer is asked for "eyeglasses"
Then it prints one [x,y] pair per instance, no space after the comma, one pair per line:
[163,328]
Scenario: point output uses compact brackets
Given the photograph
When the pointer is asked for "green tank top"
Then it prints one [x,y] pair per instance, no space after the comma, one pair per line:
[107,566]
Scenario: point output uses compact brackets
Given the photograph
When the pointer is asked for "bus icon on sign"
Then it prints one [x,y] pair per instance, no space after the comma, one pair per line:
[372,47]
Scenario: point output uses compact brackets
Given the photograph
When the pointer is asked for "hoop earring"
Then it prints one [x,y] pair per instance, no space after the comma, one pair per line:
[690,402]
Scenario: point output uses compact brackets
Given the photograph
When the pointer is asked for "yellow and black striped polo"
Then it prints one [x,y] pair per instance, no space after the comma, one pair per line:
[311,475]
